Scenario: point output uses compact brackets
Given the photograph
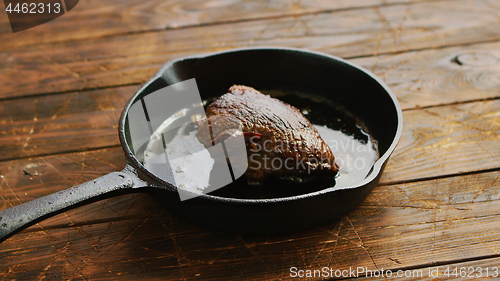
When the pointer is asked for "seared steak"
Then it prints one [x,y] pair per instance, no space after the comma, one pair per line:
[280,141]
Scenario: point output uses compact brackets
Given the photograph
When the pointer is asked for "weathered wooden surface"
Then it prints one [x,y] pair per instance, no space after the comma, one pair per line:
[398,226]
[61,123]
[93,18]
[485,269]
[440,76]
[133,58]
[469,132]
[89,119]
[438,202]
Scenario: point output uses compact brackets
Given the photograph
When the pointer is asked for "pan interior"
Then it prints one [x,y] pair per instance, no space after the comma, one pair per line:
[332,93]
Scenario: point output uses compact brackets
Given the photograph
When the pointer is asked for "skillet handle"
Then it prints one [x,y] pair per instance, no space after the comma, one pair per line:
[29,213]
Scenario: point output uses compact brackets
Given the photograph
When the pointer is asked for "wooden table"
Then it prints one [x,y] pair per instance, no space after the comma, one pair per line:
[63,86]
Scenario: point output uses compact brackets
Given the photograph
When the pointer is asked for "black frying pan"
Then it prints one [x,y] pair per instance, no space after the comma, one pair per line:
[284,69]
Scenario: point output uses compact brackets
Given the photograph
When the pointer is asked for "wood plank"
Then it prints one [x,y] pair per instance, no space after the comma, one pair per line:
[443,221]
[27,179]
[467,148]
[93,18]
[61,123]
[436,142]
[464,139]
[376,235]
[446,140]
[88,119]
[133,58]
[439,76]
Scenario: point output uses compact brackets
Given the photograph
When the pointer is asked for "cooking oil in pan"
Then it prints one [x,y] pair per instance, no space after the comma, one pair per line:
[354,148]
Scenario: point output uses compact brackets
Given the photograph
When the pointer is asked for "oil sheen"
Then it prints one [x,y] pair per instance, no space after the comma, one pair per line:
[354,148]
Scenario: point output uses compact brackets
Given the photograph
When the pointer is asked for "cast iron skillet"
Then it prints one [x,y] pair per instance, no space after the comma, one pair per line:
[358,90]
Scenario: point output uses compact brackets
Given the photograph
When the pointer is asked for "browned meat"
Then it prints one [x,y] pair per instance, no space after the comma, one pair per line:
[280,141]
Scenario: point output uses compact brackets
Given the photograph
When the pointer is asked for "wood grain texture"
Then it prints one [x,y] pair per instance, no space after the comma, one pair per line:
[133,58]
[447,140]
[469,143]
[439,76]
[398,226]
[438,203]
[19,183]
[61,123]
[484,269]
[93,18]
[437,141]
[408,223]
[88,120]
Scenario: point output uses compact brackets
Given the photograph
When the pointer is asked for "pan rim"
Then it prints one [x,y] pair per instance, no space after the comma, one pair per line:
[377,165]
